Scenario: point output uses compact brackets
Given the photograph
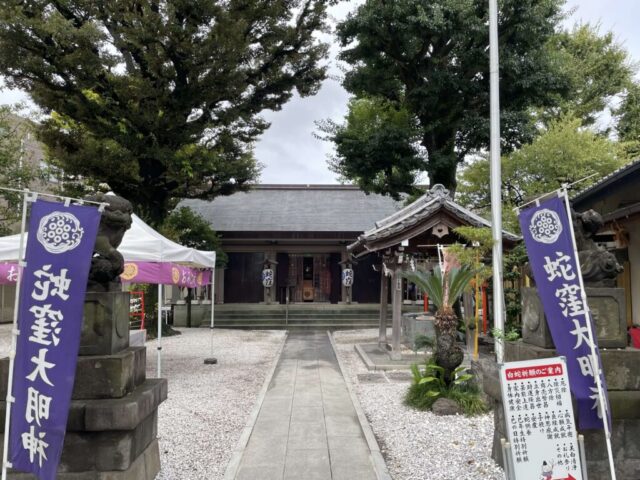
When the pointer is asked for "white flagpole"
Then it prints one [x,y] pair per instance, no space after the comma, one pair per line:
[595,364]
[159,339]
[14,335]
[496,190]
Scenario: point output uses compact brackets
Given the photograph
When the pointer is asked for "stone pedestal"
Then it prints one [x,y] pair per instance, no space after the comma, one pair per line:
[105,325]
[112,426]
[607,307]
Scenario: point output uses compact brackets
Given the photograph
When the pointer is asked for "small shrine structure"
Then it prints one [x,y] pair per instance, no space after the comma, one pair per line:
[410,234]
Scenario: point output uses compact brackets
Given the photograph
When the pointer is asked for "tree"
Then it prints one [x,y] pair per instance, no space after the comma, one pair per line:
[597,66]
[564,153]
[15,169]
[377,147]
[628,115]
[443,289]
[188,228]
[431,58]
[161,99]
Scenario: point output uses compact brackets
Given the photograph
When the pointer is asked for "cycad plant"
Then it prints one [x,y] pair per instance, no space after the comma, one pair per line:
[443,291]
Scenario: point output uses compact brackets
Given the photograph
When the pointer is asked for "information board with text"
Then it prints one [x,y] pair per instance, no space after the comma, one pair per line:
[540,421]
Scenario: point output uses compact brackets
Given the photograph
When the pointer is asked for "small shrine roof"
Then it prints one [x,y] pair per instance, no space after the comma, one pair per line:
[406,222]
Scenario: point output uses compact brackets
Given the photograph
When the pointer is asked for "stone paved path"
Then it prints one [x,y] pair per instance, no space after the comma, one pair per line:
[307,428]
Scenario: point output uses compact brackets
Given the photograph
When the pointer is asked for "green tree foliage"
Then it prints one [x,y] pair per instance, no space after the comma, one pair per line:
[563,153]
[514,261]
[161,99]
[188,228]
[628,115]
[597,66]
[431,58]
[473,255]
[377,147]
[15,170]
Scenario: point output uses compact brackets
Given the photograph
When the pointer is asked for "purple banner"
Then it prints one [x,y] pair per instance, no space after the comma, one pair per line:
[165,274]
[52,292]
[547,235]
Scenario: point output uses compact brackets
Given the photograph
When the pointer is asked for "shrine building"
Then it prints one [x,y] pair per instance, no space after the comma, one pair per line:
[301,232]
[308,234]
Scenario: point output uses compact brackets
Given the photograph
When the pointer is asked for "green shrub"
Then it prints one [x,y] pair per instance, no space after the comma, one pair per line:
[428,385]
[422,342]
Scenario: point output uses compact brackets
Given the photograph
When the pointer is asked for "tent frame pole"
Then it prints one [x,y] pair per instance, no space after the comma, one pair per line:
[213,293]
[159,341]
[14,334]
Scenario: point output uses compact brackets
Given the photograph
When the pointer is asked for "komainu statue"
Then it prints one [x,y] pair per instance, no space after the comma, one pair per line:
[599,267]
[107,263]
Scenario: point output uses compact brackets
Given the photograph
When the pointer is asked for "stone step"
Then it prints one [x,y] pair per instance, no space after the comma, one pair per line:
[100,376]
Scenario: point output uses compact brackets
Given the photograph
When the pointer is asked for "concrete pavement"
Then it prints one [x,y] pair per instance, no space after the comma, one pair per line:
[307,427]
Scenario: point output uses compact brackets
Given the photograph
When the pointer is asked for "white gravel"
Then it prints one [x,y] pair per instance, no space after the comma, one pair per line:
[418,445]
[208,405]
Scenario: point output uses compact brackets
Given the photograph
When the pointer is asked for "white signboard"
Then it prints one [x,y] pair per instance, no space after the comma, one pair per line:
[540,422]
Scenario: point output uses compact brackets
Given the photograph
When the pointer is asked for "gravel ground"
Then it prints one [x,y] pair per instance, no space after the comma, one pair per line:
[208,405]
[418,445]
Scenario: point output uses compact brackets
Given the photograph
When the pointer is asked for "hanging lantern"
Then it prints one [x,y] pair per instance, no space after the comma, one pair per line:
[347,277]
[267,277]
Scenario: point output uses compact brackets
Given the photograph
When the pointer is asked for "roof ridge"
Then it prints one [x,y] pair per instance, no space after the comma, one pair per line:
[617,172]
[302,186]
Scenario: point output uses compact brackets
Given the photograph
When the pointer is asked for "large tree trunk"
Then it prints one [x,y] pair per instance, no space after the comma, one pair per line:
[448,354]
[443,160]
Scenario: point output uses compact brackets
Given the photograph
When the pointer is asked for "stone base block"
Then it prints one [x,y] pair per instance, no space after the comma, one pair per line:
[108,450]
[113,414]
[200,315]
[535,330]
[145,467]
[100,376]
[105,325]
[607,306]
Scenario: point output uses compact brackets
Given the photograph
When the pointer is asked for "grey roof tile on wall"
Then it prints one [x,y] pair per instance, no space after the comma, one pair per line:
[295,208]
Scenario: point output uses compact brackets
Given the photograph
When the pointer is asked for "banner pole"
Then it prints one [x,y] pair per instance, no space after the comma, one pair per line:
[159,339]
[14,338]
[594,357]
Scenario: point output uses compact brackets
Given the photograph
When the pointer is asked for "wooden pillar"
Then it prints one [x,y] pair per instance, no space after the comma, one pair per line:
[396,307]
[218,296]
[384,294]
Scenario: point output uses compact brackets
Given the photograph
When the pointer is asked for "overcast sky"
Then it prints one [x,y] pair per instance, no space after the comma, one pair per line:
[291,154]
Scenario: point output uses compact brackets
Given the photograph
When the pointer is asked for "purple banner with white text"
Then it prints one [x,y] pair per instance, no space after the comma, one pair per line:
[52,292]
[165,274]
[547,235]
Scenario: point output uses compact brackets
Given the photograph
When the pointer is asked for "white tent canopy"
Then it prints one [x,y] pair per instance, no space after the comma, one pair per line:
[140,243]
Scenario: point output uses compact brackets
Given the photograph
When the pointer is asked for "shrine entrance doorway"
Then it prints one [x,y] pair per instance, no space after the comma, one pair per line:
[309,278]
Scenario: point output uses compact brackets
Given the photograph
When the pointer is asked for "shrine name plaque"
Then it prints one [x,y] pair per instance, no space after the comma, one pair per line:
[540,421]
